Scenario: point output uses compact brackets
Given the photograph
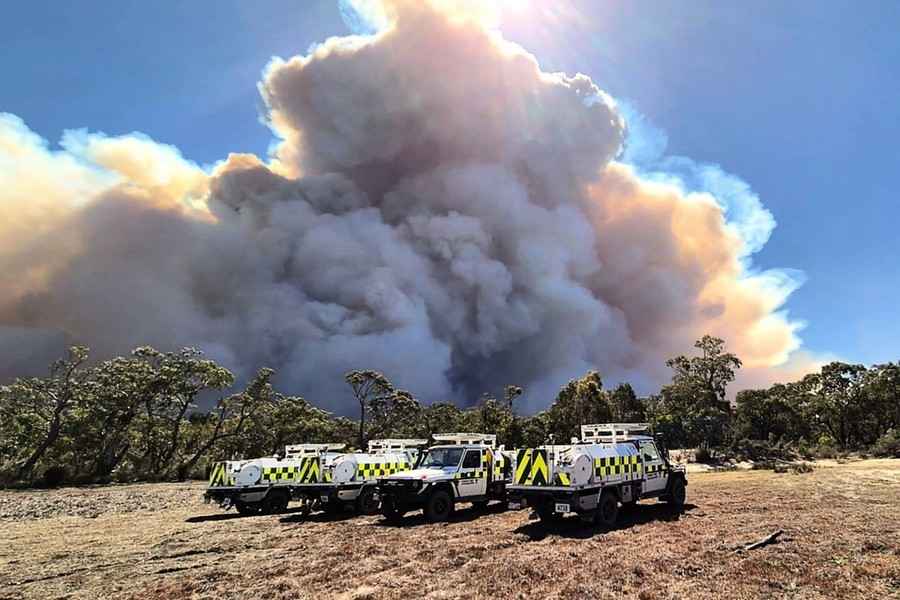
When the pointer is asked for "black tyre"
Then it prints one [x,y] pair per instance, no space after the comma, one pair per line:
[438,507]
[275,503]
[333,507]
[247,508]
[390,510]
[607,510]
[367,502]
[546,513]
[677,494]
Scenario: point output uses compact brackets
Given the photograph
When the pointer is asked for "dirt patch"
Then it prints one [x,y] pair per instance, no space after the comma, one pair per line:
[841,539]
[93,501]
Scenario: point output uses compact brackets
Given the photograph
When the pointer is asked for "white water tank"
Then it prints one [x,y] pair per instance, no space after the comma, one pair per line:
[580,462]
[580,469]
[344,469]
[248,475]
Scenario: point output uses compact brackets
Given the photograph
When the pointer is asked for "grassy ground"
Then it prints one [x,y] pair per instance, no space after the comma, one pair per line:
[841,523]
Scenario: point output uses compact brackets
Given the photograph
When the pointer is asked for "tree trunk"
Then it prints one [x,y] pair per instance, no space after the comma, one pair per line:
[362,424]
[27,467]
[169,455]
[185,467]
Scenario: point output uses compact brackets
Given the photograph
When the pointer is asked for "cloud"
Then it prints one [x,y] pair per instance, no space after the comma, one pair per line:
[800,363]
[436,207]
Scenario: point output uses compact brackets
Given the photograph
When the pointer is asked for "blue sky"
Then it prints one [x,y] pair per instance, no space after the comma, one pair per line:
[799,99]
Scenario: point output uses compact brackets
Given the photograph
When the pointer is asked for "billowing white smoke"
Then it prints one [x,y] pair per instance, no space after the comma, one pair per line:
[438,208]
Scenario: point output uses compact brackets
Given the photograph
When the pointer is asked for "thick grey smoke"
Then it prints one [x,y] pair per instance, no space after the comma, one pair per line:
[438,208]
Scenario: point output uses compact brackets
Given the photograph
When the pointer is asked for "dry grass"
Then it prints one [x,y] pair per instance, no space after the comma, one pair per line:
[841,522]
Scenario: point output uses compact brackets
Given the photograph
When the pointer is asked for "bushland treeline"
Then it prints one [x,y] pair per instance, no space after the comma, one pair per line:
[135,418]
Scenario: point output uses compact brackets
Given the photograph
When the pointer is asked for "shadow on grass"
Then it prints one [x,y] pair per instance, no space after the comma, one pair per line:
[227,516]
[463,514]
[321,517]
[574,527]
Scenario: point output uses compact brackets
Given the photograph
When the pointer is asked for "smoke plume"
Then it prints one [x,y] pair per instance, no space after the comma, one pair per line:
[437,208]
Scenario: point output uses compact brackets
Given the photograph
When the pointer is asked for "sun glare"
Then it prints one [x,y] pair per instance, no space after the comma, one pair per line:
[514,5]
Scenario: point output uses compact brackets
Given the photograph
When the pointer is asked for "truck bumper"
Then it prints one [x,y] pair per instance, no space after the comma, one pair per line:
[403,494]
[556,498]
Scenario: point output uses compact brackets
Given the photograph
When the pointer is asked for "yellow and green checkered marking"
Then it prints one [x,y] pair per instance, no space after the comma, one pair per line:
[380,469]
[629,467]
[470,474]
[306,472]
[499,465]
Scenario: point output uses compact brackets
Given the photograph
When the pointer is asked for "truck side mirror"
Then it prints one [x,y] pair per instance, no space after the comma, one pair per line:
[661,444]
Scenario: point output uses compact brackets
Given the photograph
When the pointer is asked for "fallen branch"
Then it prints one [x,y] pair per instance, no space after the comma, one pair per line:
[769,539]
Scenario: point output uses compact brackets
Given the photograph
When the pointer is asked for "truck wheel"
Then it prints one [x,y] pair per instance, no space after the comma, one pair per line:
[546,513]
[367,501]
[276,502]
[391,511]
[438,507]
[677,494]
[333,507]
[247,508]
[607,510]
[284,503]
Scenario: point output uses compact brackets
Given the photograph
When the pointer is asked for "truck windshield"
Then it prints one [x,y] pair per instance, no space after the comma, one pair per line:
[442,457]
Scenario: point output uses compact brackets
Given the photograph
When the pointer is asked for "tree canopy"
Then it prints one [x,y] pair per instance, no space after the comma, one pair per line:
[137,417]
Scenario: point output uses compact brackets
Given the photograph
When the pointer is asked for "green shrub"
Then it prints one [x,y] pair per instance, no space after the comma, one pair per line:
[803,448]
[703,455]
[888,445]
[825,451]
[825,440]
[54,476]
[762,450]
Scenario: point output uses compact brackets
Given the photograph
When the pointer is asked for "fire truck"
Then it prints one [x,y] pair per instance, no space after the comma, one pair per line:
[461,467]
[612,464]
[318,476]
[265,485]
[351,479]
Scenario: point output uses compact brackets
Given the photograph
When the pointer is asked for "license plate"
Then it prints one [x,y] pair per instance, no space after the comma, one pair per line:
[516,505]
[324,498]
[562,508]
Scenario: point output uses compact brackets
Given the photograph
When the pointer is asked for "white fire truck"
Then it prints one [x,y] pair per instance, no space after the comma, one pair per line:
[319,476]
[264,485]
[352,478]
[613,463]
[461,467]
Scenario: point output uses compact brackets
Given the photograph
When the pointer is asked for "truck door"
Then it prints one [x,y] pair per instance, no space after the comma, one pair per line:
[654,468]
[472,477]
